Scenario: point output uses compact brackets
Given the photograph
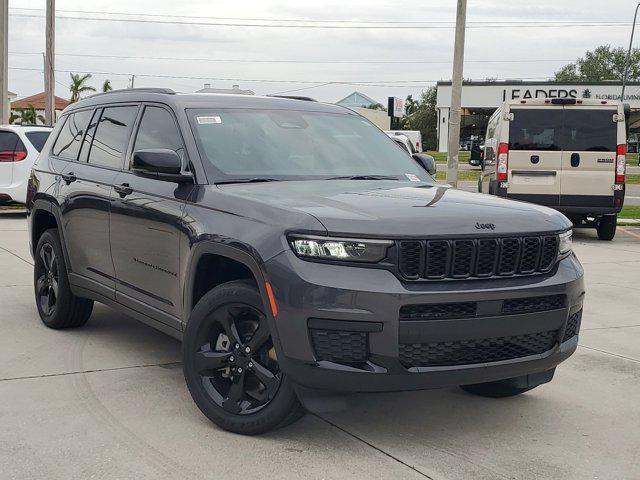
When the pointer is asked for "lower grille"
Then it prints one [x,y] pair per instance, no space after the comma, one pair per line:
[466,352]
[533,304]
[573,326]
[435,311]
[340,346]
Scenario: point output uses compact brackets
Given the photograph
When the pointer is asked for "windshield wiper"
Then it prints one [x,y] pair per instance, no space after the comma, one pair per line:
[247,180]
[364,177]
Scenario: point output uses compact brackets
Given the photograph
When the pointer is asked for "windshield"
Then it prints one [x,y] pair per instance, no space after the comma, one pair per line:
[297,145]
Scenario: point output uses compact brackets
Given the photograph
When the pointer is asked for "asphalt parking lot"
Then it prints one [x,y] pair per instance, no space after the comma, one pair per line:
[109,401]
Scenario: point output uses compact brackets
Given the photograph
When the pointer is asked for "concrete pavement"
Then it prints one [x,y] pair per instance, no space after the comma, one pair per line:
[109,401]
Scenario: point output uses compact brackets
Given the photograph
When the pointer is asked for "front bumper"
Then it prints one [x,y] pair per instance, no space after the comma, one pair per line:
[317,294]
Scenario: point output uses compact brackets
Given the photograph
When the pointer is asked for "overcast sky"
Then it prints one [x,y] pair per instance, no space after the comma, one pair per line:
[543,50]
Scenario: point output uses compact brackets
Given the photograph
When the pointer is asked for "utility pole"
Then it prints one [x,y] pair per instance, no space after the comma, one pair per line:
[4,61]
[626,62]
[456,94]
[49,66]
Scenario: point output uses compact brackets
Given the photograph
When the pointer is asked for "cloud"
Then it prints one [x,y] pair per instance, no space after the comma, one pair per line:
[191,41]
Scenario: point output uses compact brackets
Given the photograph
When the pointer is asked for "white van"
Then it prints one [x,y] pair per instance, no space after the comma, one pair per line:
[413,135]
[565,153]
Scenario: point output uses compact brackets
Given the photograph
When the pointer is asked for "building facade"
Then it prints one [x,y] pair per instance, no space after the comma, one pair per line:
[38,103]
[480,100]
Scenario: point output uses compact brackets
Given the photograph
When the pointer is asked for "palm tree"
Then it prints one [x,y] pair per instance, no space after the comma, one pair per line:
[106,86]
[27,116]
[79,86]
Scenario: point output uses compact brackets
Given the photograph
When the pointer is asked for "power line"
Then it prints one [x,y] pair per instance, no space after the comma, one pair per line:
[317,26]
[382,83]
[233,60]
[338,21]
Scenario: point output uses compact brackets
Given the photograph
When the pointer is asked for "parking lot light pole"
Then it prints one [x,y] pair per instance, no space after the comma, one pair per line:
[626,63]
[456,95]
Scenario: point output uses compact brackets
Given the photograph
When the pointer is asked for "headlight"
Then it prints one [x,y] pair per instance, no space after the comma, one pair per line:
[340,249]
[566,243]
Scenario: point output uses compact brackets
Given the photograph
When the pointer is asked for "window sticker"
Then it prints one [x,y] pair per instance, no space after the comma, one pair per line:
[412,177]
[209,120]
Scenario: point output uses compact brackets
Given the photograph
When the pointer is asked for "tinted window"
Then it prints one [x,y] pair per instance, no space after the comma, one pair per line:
[88,138]
[590,130]
[9,143]
[38,139]
[536,129]
[297,144]
[68,142]
[158,130]
[112,136]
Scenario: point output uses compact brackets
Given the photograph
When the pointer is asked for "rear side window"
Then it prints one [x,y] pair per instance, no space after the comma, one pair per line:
[112,136]
[68,142]
[38,139]
[590,130]
[158,130]
[11,147]
[536,129]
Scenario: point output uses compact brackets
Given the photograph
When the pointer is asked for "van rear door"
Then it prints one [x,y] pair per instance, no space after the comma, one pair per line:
[589,157]
[535,154]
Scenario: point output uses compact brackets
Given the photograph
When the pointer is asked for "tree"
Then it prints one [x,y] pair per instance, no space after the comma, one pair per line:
[424,118]
[106,86]
[603,63]
[78,86]
[410,105]
[27,116]
[375,106]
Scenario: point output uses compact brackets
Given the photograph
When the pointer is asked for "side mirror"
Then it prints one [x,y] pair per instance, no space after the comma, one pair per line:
[426,162]
[159,163]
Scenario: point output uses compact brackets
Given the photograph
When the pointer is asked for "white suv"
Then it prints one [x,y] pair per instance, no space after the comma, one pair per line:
[19,148]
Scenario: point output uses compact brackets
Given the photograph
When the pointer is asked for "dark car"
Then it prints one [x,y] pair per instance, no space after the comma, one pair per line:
[296,251]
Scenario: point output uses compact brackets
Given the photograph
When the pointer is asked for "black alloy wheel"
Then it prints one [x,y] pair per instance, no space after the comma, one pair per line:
[47,279]
[230,363]
[236,360]
[57,305]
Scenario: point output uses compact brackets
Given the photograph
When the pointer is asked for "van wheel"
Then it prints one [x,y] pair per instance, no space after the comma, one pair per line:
[230,364]
[607,227]
[57,305]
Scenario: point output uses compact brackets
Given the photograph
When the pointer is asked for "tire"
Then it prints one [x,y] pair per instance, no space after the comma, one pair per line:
[499,389]
[607,227]
[57,305]
[242,392]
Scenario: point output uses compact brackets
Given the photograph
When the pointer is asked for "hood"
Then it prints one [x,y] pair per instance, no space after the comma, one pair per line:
[402,209]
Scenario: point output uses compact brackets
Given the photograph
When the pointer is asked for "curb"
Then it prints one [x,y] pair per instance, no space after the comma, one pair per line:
[629,221]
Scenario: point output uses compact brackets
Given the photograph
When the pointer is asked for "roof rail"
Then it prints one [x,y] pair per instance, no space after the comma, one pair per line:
[166,91]
[294,97]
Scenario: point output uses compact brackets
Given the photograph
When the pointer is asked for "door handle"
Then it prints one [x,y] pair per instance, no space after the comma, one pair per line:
[69,178]
[123,190]
[575,159]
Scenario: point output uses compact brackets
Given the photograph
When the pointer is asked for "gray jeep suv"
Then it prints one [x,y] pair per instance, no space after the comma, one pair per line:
[296,250]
